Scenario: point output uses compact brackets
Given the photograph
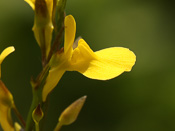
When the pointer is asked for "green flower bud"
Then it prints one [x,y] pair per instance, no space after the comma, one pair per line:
[37,114]
[70,114]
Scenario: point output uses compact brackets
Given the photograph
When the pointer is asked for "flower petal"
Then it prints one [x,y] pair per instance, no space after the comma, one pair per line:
[5,118]
[6,103]
[81,57]
[70,29]
[6,52]
[31,3]
[111,63]
[102,65]
[52,80]
[118,56]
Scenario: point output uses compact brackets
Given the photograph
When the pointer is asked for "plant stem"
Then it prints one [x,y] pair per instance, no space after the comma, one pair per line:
[36,126]
[29,122]
[37,97]
[58,127]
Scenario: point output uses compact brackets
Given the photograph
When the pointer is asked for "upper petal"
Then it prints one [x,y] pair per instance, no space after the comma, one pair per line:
[70,29]
[81,57]
[6,52]
[31,3]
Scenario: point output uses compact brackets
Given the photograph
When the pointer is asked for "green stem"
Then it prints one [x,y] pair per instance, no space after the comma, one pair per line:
[36,126]
[44,109]
[29,122]
[58,127]
[37,97]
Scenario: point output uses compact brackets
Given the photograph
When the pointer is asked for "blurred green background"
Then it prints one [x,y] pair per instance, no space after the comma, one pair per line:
[142,100]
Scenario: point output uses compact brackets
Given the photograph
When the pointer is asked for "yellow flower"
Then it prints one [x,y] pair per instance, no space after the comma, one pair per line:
[6,98]
[102,65]
[43,25]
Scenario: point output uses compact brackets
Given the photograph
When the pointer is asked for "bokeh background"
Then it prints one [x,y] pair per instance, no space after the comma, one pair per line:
[141,100]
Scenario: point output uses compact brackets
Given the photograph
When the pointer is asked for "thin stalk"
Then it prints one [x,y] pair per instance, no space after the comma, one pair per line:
[58,127]
[37,97]
[29,122]
[36,126]
[19,115]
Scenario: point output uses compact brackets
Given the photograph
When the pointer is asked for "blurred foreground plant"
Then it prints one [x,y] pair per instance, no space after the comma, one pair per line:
[50,21]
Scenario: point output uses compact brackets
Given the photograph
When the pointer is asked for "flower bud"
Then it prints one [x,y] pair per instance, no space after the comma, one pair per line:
[43,25]
[70,114]
[37,114]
